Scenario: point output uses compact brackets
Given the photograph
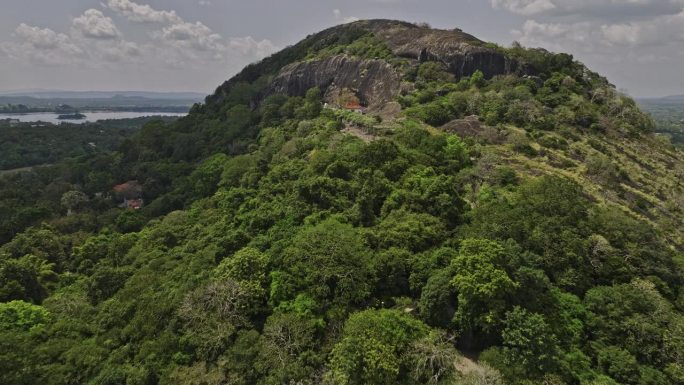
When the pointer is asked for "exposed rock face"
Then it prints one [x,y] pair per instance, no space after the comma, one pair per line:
[374,81]
[465,60]
[462,53]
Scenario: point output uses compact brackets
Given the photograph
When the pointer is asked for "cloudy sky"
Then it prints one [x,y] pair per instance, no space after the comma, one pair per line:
[193,45]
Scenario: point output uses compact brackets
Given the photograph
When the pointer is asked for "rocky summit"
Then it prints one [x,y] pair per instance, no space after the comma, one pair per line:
[373,80]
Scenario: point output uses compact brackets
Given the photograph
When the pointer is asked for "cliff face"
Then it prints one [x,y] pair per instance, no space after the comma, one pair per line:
[463,54]
[374,81]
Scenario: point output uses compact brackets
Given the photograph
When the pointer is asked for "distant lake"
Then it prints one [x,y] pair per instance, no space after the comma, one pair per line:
[51,117]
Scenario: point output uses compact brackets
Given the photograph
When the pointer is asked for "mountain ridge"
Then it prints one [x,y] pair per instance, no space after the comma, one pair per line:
[64,94]
[462,52]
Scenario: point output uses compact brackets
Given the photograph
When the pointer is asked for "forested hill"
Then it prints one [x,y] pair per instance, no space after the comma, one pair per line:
[381,203]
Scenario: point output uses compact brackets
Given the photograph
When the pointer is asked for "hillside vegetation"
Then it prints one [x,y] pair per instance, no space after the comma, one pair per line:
[514,224]
[31,144]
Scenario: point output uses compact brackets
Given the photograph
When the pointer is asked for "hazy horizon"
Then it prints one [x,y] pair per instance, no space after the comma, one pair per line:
[96,90]
[6,92]
[193,46]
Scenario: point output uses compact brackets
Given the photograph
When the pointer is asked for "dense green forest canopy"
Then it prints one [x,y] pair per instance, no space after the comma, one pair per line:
[282,242]
[31,144]
[64,101]
[668,114]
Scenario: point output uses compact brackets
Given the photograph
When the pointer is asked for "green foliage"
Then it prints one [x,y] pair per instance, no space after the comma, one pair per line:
[25,146]
[205,178]
[22,316]
[434,72]
[29,278]
[105,281]
[529,343]
[22,325]
[109,247]
[288,351]
[249,268]
[410,231]
[456,150]
[364,46]
[212,314]
[312,105]
[603,169]
[73,199]
[544,61]
[329,262]
[477,79]
[668,116]
[372,347]
[437,303]
[544,216]
[423,190]
[618,364]
[130,221]
[482,284]
[359,120]
[434,114]
[633,316]
[564,93]
[245,265]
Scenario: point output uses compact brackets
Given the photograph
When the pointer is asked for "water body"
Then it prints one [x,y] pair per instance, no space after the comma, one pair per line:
[51,117]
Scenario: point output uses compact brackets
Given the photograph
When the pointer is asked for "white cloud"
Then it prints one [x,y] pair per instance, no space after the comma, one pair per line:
[94,43]
[45,47]
[524,7]
[622,33]
[346,19]
[194,36]
[44,38]
[41,46]
[600,9]
[250,47]
[119,51]
[659,31]
[180,40]
[561,37]
[603,37]
[197,42]
[602,32]
[95,25]
[615,37]
[142,12]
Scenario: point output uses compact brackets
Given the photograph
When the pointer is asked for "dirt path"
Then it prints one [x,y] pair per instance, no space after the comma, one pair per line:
[20,169]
